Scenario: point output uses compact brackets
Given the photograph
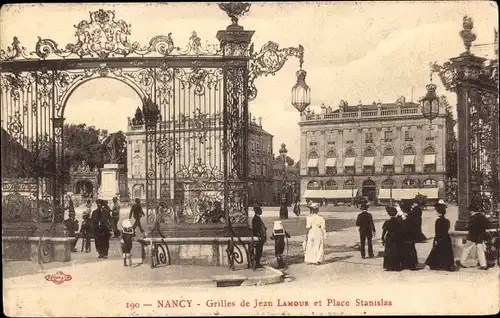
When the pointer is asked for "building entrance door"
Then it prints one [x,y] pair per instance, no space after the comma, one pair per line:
[369,190]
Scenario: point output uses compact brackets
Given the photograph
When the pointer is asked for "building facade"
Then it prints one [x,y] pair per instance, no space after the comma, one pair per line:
[189,146]
[379,151]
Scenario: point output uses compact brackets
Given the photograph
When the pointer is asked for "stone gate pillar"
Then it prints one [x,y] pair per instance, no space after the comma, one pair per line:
[236,49]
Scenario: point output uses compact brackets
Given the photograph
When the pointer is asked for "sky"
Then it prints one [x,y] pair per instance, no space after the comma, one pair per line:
[354,51]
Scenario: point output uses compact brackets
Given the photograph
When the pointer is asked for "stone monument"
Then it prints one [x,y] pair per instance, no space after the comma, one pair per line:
[113,175]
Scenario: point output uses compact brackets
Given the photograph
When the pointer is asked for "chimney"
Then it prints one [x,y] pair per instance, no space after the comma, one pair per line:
[260,121]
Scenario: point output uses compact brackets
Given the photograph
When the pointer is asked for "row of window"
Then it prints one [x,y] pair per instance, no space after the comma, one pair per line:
[389,135]
[386,169]
[385,184]
[370,152]
[255,146]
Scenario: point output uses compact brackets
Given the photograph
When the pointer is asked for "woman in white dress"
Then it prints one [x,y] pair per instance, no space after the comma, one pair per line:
[316,236]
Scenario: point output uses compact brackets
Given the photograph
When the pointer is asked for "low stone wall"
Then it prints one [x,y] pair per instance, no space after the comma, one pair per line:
[208,251]
[43,249]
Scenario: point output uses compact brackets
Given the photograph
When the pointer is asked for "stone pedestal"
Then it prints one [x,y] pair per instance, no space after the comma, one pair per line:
[113,182]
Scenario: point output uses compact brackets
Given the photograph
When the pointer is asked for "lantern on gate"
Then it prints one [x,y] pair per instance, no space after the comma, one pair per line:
[430,103]
[301,93]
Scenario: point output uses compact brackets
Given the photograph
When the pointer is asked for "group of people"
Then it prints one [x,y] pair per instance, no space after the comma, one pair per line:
[400,233]
[313,244]
[102,224]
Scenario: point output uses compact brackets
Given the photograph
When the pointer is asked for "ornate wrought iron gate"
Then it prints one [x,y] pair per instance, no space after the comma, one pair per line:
[194,114]
[193,121]
[475,81]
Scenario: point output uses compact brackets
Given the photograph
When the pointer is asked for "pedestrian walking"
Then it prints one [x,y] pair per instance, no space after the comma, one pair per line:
[416,220]
[88,209]
[296,208]
[259,230]
[71,208]
[366,230]
[283,209]
[137,213]
[126,242]
[478,223]
[115,217]
[391,239]
[441,255]
[409,259]
[72,227]
[101,220]
[316,236]
[86,233]
[279,235]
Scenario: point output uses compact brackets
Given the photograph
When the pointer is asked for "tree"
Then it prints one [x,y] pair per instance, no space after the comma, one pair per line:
[84,143]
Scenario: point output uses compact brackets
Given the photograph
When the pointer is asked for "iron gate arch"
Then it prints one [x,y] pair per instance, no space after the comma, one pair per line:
[188,136]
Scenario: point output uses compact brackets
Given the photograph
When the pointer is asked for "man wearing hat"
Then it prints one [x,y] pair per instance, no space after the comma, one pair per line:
[258,230]
[478,223]
[101,220]
[366,229]
[115,216]
[137,212]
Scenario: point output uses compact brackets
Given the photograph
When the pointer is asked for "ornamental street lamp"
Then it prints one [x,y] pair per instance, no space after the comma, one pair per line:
[301,93]
[430,103]
[391,185]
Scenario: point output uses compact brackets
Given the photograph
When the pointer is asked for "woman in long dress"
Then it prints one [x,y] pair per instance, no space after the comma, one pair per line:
[316,236]
[441,256]
[391,240]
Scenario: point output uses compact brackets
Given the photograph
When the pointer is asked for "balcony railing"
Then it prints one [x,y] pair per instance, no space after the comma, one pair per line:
[399,112]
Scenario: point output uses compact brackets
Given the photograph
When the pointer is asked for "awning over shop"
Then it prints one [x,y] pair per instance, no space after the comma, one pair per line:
[331,162]
[330,194]
[312,163]
[368,161]
[313,194]
[398,194]
[349,162]
[388,161]
[340,194]
[409,160]
[430,159]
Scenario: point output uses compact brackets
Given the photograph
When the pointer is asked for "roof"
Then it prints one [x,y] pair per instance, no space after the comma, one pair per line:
[374,106]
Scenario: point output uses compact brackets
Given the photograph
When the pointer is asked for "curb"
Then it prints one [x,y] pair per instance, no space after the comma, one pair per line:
[275,278]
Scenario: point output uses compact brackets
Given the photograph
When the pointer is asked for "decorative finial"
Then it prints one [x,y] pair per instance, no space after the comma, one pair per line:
[466,34]
[235,10]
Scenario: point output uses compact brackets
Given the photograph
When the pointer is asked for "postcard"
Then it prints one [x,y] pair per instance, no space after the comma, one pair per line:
[250,158]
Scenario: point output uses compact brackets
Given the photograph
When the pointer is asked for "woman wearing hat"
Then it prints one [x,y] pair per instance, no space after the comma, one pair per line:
[441,255]
[409,259]
[391,239]
[316,236]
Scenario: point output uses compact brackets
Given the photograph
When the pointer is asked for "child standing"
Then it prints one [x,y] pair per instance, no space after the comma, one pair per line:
[126,241]
[278,236]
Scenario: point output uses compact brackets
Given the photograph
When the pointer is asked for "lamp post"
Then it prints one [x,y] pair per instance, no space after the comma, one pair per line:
[391,185]
[352,191]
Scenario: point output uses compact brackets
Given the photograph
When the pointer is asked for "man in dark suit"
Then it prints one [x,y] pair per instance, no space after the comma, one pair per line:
[258,230]
[101,220]
[366,230]
[478,224]
[137,213]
